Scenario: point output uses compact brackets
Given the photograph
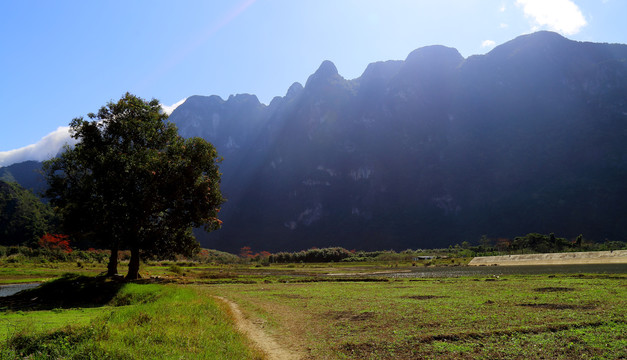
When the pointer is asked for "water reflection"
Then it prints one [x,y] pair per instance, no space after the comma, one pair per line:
[8,290]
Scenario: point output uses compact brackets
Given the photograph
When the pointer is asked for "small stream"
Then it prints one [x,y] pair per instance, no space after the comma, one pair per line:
[8,290]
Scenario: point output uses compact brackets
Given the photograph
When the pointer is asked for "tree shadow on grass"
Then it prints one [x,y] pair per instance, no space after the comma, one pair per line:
[69,291]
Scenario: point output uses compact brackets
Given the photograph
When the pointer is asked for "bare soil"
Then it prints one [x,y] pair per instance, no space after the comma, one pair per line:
[558,306]
[572,258]
[422,297]
[350,316]
[255,332]
[553,289]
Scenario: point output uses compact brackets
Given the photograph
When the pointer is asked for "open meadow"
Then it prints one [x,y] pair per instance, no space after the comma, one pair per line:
[313,311]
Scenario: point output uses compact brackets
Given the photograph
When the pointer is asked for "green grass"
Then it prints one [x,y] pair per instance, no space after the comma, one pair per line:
[14,273]
[140,321]
[20,272]
[13,322]
[579,316]
[514,317]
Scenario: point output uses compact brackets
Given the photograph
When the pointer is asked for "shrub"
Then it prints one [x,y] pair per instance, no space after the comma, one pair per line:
[56,242]
[176,269]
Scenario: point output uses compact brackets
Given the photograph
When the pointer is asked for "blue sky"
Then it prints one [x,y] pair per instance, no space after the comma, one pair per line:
[63,59]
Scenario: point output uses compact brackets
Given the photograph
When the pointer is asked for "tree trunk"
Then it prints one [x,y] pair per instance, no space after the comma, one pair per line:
[133,265]
[112,267]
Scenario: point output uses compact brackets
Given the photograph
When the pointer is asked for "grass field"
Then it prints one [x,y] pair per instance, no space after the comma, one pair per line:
[556,317]
[109,320]
[21,273]
[580,316]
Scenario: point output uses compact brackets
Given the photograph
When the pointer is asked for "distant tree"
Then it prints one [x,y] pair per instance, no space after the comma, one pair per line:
[579,241]
[613,245]
[540,243]
[246,252]
[55,242]
[485,241]
[503,244]
[24,218]
[131,182]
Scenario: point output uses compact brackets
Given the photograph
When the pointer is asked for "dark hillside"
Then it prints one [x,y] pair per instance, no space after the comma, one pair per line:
[429,151]
[426,152]
[23,217]
[27,174]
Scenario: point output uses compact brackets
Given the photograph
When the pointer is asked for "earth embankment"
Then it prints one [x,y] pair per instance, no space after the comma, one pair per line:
[591,257]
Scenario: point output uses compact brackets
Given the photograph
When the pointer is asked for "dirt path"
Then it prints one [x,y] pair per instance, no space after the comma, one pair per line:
[265,342]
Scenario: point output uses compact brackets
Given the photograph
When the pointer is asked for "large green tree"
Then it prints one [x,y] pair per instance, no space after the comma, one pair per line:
[131,182]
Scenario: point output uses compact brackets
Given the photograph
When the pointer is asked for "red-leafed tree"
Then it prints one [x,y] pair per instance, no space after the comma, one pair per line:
[246,252]
[503,244]
[56,242]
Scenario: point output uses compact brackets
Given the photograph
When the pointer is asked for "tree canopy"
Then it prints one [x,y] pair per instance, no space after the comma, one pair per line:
[132,182]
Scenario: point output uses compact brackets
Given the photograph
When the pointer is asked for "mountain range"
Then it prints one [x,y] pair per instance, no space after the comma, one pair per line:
[426,152]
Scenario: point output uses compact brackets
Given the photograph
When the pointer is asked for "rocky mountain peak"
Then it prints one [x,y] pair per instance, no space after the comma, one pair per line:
[435,56]
[381,70]
[243,100]
[426,152]
[294,90]
[326,69]
[536,46]
[327,72]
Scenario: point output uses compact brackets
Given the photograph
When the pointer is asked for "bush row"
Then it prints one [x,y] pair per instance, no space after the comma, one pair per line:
[24,253]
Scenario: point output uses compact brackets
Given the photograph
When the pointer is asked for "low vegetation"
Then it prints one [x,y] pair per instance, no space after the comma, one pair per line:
[79,317]
[345,309]
[556,317]
[527,244]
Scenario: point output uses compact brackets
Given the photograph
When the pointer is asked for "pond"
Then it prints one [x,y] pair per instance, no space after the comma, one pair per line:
[8,290]
[456,271]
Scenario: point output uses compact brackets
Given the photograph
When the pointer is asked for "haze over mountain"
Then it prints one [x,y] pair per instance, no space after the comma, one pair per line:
[430,151]
[426,152]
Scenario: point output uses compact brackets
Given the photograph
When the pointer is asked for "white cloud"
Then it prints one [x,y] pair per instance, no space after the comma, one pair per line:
[488,43]
[51,144]
[44,149]
[503,25]
[168,109]
[502,8]
[558,15]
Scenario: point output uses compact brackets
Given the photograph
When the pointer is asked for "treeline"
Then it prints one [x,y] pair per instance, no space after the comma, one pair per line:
[26,223]
[339,254]
[538,243]
[527,244]
[333,254]
[42,255]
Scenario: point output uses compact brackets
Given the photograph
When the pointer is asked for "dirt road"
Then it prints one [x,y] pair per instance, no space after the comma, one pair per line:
[272,349]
